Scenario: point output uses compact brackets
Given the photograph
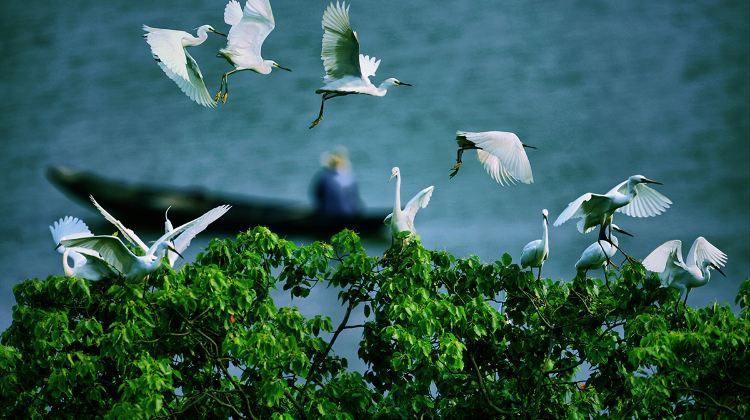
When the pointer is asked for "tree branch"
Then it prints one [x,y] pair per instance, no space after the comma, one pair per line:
[484,389]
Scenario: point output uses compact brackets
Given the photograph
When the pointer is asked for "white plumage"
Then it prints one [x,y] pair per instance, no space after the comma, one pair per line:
[501,153]
[630,197]
[674,272]
[535,253]
[168,47]
[250,28]
[123,260]
[403,220]
[87,264]
[347,71]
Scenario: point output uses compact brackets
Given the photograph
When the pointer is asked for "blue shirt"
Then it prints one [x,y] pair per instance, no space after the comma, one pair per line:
[336,193]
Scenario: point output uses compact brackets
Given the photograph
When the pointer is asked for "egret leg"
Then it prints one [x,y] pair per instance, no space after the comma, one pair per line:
[223,92]
[684,302]
[539,275]
[455,168]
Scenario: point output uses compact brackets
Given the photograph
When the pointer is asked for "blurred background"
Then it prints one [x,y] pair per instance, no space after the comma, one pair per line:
[603,89]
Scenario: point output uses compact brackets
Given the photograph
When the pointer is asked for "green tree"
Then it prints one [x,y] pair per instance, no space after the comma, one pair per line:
[443,337]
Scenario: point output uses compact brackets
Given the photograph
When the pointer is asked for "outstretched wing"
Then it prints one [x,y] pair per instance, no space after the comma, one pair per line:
[249,33]
[573,210]
[232,13]
[191,228]
[110,249]
[664,259]
[128,234]
[647,201]
[182,241]
[502,155]
[177,64]
[703,251]
[368,65]
[68,227]
[194,86]
[340,51]
[419,201]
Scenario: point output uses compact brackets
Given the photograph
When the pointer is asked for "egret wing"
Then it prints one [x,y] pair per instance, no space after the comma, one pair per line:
[340,51]
[190,228]
[128,234]
[421,200]
[368,65]
[232,13]
[166,47]
[68,227]
[702,251]
[506,153]
[94,267]
[194,87]
[182,241]
[647,201]
[662,259]
[110,249]
[574,209]
[252,30]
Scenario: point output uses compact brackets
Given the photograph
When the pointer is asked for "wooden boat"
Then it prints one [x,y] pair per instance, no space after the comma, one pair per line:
[144,206]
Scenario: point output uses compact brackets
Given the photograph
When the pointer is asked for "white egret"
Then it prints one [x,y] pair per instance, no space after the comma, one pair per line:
[403,220]
[169,48]
[347,71]
[87,264]
[666,260]
[250,27]
[180,243]
[501,153]
[535,253]
[631,197]
[131,266]
[600,253]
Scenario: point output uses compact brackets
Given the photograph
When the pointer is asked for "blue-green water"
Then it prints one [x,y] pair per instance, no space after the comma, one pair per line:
[603,89]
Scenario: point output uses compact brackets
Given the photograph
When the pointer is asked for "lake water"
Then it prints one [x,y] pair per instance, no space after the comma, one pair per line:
[603,89]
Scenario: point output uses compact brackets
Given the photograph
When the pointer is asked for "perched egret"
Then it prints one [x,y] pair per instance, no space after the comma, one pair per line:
[87,264]
[535,253]
[600,253]
[403,220]
[347,71]
[250,27]
[666,260]
[500,152]
[131,266]
[168,47]
[631,197]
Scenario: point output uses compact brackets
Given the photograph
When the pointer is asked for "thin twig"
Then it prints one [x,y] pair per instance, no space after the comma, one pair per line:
[484,389]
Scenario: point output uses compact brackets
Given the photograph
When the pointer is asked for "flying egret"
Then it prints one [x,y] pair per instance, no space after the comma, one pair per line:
[403,220]
[666,260]
[250,27]
[131,266]
[600,253]
[169,48]
[535,253]
[500,152]
[631,197]
[347,71]
[87,264]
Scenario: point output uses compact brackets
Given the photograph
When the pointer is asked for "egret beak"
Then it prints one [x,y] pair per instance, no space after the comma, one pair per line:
[526,145]
[615,227]
[392,176]
[718,269]
[175,251]
[279,67]
[219,33]
[58,246]
[403,84]
[651,181]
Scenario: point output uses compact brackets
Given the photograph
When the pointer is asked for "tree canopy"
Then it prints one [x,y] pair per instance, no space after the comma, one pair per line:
[443,337]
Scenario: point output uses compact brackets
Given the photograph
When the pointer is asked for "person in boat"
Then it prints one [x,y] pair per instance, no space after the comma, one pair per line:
[334,188]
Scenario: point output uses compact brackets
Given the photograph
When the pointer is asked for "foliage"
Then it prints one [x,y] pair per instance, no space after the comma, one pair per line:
[443,337]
